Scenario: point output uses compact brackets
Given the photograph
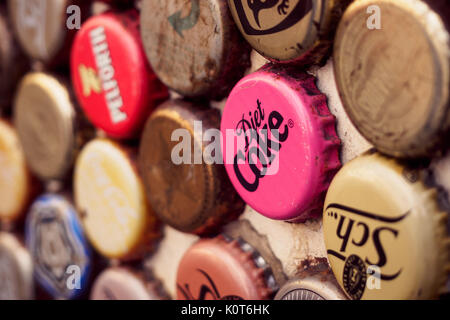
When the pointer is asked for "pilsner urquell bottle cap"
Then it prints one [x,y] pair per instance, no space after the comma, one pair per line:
[41,27]
[299,31]
[59,249]
[112,78]
[110,198]
[48,125]
[280,144]
[16,270]
[395,81]
[187,189]
[194,46]
[15,180]
[122,283]
[13,63]
[224,269]
[385,233]
[316,282]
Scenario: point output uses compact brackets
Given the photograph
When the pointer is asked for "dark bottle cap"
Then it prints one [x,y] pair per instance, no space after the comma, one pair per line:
[186,186]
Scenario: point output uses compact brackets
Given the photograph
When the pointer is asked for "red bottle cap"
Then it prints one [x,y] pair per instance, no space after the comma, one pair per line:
[224,269]
[113,81]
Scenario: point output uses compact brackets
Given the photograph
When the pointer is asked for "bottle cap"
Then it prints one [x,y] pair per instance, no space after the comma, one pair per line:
[58,247]
[316,282]
[280,145]
[42,27]
[185,182]
[16,270]
[15,179]
[102,69]
[224,269]
[13,63]
[194,46]
[110,198]
[289,31]
[395,81]
[123,284]
[47,124]
[384,231]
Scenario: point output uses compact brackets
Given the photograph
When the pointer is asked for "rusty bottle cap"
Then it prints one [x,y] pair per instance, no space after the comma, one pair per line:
[224,269]
[49,126]
[187,188]
[395,81]
[194,46]
[41,27]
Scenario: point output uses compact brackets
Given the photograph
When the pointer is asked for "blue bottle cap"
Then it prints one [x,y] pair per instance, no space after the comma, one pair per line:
[58,246]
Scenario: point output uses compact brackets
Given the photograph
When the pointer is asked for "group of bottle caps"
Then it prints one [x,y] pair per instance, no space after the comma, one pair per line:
[72,187]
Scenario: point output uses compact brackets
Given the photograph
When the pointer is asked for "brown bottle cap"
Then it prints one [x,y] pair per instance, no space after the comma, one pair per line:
[194,46]
[314,282]
[13,63]
[48,125]
[110,198]
[298,31]
[394,82]
[188,194]
[224,269]
[15,180]
[16,270]
[122,283]
[41,27]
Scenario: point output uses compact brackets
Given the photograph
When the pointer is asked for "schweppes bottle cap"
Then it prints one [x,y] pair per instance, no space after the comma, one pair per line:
[15,180]
[43,27]
[60,251]
[392,69]
[107,53]
[385,233]
[110,198]
[16,270]
[298,31]
[185,181]
[47,123]
[194,46]
[280,145]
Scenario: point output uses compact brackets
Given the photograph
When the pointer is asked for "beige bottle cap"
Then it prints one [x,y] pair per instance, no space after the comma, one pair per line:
[122,284]
[394,82]
[385,233]
[15,180]
[110,198]
[16,270]
[44,115]
[40,26]
[298,31]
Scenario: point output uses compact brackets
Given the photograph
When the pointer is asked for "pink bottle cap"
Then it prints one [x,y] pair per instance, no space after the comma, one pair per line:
[280,122]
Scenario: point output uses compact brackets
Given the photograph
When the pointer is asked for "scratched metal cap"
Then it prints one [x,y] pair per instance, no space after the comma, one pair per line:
[194,46]
[385,232]
[298,31]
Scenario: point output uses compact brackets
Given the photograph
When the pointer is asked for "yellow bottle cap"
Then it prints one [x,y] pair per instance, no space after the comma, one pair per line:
[44,116]
[16,270]
[394,81]
[385,233]
[15,180]
[111,200]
